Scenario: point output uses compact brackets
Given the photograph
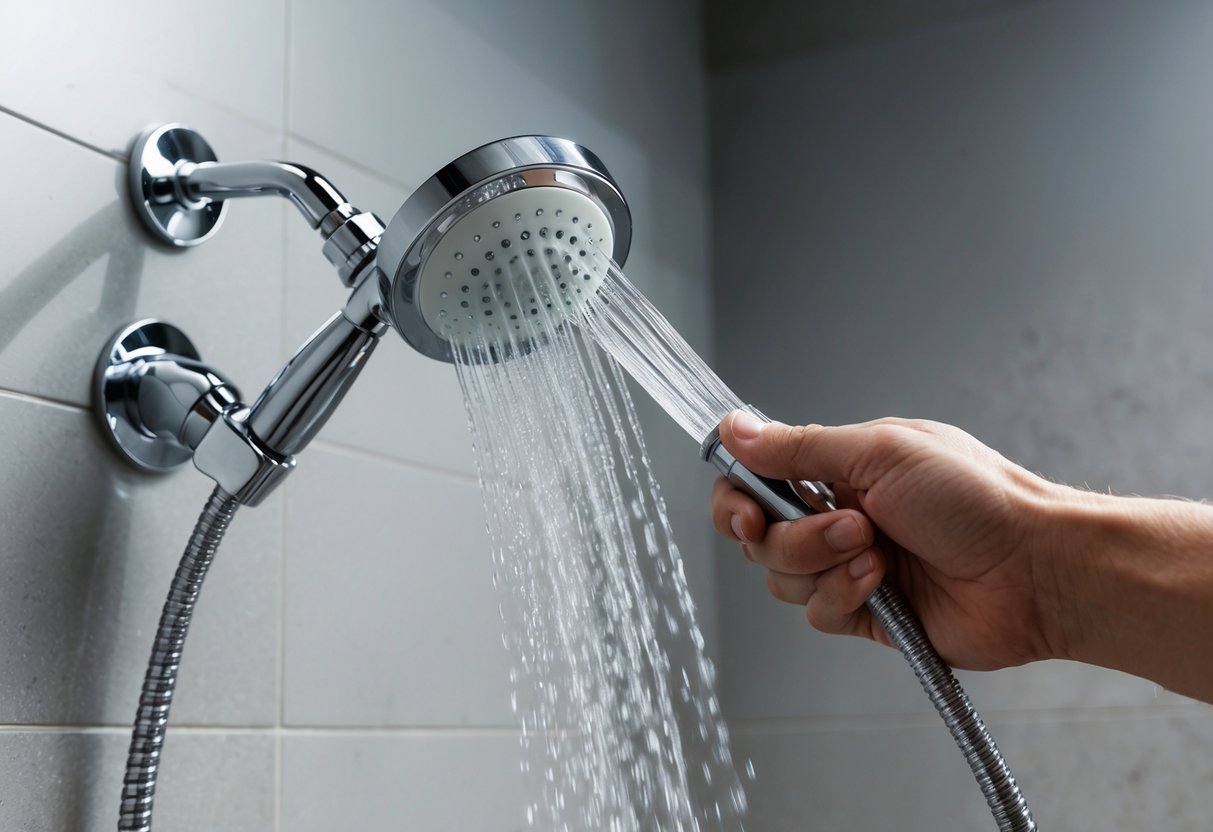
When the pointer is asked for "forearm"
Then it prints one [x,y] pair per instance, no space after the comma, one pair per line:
[1127,583]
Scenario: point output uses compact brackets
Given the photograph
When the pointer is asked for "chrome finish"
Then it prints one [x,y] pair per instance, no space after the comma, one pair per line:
[154,395]
[780,499]
[172,217]
[145,752]
[311,193]
[238,462]
[161,406]
[181,192]
[247,451]
[463,185]
[351,247]
[307,390]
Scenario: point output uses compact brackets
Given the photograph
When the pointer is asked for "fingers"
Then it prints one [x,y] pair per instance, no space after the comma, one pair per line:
[837,602]
[799,547]
[814,543]
[735,515]
[834,599]
[825,562]
[854,454]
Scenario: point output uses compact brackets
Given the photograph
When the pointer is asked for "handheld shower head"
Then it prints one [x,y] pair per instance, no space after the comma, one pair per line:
[458,261]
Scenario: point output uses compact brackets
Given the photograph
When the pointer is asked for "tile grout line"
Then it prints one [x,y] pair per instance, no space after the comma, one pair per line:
[876,722]
[32,122]
[359,166]
[377,456]
[401,731]
[280,709]
[33,398]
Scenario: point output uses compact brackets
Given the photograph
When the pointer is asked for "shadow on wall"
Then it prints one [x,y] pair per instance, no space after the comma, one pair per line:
[104,234]
[63,644]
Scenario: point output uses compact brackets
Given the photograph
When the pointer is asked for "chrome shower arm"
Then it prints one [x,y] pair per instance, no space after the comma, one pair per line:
[320,203]
[181,192]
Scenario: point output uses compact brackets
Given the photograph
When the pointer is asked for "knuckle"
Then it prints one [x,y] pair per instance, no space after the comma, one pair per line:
[773,586]
[803,442]
[818,619]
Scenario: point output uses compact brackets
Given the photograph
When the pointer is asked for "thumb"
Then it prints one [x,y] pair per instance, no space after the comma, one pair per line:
[789,452]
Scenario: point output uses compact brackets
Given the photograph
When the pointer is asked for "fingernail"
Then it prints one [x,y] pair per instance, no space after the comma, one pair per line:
[845,535]
[747,425]
[862,565]
[735,522]
[745,550]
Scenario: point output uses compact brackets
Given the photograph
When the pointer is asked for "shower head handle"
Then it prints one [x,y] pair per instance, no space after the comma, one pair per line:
[307,390]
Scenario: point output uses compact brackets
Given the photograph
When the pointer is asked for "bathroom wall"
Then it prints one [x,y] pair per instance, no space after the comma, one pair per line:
[1001,223]
[345,666]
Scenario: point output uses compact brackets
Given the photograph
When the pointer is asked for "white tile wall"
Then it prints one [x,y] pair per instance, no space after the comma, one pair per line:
[1001,224]
[58,780]
[1138,770]
[391,616]
[347,641]
[406,780]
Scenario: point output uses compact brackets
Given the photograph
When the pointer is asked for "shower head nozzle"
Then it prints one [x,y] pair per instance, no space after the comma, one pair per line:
[468,258]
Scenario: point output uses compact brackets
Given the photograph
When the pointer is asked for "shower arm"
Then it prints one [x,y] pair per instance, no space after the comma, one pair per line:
[350,236]
[182,192]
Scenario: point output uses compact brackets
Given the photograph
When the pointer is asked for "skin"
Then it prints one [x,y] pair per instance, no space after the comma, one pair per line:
[1002,566]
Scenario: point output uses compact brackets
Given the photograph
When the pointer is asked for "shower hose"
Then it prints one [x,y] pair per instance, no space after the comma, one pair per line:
[994,777]
[997,784]
[791,501]
[151,719]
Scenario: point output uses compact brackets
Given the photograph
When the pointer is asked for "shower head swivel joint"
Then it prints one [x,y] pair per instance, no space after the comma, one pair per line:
[467,226]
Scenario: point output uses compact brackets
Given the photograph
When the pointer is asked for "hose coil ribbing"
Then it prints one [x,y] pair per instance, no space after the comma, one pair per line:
[994,777]
[151,718]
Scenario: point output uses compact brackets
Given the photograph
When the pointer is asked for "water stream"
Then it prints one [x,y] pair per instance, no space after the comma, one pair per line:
[621,729]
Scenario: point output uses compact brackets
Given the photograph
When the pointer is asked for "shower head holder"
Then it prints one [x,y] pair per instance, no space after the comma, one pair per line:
[162,405]
[180,191]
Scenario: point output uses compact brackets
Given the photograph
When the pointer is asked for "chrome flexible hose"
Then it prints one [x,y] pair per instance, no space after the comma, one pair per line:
[994,777]
[151,719]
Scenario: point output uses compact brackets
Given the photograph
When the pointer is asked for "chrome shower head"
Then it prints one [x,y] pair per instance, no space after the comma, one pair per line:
[470,259]
[464,259]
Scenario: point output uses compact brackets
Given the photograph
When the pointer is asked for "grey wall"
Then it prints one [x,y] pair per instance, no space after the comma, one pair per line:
[345,667]
[1002,223]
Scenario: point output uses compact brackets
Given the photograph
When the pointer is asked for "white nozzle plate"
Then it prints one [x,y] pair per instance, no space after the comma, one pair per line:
[516,266]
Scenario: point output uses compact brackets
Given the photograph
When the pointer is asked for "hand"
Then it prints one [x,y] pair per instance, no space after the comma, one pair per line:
[956,526]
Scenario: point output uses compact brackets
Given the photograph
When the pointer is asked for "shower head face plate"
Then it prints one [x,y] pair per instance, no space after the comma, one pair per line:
[434,234]
[514,268]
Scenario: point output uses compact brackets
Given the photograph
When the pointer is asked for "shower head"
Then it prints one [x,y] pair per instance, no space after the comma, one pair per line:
[480,257]
[467,258]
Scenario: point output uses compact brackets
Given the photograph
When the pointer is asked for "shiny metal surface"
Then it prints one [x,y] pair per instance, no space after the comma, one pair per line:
[181,190]
[459,188]
[304,394]
[154,395]
[171,217]
[247,451]
[240,463]
[311,193]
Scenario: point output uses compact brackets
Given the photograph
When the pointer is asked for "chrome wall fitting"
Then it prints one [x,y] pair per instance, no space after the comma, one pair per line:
[181,192]
[153,392]
[170,215]
[160,405]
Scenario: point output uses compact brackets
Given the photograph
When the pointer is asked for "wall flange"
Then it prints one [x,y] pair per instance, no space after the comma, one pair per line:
[154,396]
[156,160]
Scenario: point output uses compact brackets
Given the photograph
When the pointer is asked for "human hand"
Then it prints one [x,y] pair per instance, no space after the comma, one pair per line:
[956,526]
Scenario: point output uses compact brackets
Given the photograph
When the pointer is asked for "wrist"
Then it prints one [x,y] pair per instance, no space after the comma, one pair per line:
[1127,583]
